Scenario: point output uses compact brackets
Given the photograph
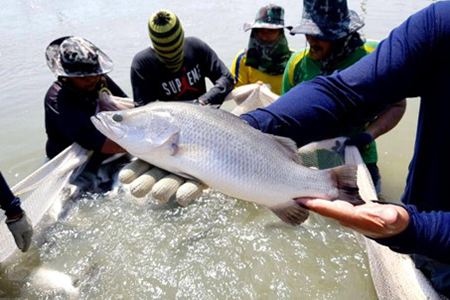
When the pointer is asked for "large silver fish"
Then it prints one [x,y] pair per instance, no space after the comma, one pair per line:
[220,149]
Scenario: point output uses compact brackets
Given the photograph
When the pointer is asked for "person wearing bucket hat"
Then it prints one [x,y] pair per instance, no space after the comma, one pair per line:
[175,68]
[328,106]
[334,43]
[267,53]
[81,89]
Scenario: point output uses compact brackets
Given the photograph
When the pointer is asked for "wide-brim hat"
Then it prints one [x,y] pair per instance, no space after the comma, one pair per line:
[72,56]
[328,23]
[270,16]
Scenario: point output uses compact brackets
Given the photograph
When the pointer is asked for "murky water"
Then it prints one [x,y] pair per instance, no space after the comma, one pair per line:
[216,248]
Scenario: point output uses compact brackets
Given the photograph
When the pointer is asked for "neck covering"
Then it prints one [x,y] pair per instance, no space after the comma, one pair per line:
[167,37]
[341,49]
[270,58]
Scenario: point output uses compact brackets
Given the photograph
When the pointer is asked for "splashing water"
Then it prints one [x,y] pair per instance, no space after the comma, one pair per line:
[218,247]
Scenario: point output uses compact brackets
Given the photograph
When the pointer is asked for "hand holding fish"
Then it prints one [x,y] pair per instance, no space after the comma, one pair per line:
[216,147]
[371,219]
[162,185]
[108,102]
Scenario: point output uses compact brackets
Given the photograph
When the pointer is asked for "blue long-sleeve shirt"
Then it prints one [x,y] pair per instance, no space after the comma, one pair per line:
[413,61]
[8,202]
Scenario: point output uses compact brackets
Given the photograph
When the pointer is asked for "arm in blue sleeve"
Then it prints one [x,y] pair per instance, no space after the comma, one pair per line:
[8,202]
[428,233]
[327,107]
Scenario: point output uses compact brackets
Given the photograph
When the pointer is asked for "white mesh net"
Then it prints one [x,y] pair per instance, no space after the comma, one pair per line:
[250,97]
[41,189]
[394,275]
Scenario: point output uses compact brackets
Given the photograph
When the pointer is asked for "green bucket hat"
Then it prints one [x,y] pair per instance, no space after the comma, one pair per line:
[327,20]
[270,16]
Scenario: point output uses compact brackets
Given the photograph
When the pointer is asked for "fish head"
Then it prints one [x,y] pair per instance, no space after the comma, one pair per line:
[138,130]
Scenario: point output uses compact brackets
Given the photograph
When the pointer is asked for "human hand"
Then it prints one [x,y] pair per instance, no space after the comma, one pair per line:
[360,140]
[162,185]
[371,219]
[21,229]
[108,102]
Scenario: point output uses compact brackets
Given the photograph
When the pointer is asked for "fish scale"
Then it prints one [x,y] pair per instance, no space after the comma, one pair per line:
[227,154]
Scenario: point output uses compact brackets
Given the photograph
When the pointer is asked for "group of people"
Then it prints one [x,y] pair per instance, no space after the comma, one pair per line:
[339,85]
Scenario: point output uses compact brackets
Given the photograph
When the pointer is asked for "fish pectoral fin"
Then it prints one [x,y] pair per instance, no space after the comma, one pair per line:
[163,133]
[291,213]
[289,147]
[168,144]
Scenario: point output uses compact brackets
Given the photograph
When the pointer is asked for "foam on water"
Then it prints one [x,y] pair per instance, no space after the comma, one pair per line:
[218,247]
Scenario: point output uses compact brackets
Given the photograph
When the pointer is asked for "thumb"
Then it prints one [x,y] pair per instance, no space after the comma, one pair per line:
[26,240]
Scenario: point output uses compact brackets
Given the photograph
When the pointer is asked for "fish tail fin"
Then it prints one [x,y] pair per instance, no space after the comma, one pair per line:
[292,213]
[345,181]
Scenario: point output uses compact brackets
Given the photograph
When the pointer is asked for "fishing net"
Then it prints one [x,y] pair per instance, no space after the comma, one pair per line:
[250,97]
[42,189]
[394,275]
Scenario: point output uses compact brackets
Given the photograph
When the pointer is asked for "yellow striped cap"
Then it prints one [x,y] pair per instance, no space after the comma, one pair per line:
[167,37]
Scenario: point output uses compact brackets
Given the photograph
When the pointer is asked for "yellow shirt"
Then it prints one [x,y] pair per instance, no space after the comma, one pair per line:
[243,74]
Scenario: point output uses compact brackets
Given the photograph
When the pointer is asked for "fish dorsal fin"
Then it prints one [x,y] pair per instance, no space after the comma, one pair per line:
[289,147]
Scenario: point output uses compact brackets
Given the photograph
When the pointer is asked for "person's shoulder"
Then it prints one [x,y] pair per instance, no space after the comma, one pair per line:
[145,56]
[240,56]
[298,56]
[54,92]
[192,40]
[196,44]
[441,7]
[370,45]
[56,98]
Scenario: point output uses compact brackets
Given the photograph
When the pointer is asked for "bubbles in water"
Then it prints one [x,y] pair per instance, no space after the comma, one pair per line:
[219,247]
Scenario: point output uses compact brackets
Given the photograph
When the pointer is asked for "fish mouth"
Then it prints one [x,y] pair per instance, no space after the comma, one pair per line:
[108,128]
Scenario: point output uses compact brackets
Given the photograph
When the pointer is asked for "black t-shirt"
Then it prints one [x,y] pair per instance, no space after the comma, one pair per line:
[151,80]
[67,116]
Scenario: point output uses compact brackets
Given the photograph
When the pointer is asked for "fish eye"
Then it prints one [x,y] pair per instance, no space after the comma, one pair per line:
[117,117]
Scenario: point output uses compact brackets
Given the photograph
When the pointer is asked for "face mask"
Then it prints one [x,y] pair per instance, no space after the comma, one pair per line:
[270,58]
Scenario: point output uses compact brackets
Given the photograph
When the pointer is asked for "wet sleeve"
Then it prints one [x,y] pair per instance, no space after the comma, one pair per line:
[77,126]
[327,107]
[141,82]
[239,71]
[218,73]
[8,202]
[114,88]
[428,234]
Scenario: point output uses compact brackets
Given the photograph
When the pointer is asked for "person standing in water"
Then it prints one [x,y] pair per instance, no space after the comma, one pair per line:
[335,44]
[175,68]
[327,107]
[267,53]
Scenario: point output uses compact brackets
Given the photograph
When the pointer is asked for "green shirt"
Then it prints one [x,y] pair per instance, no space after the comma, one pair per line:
[301,67]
